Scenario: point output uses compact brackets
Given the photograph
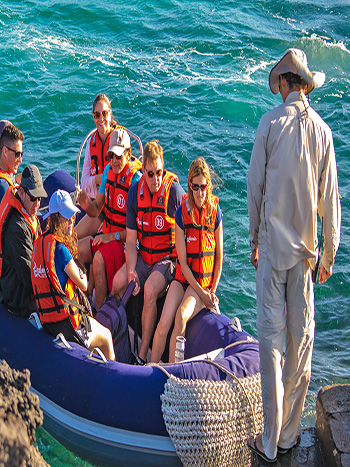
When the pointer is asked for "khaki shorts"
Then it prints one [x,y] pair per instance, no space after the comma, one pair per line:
[165,266]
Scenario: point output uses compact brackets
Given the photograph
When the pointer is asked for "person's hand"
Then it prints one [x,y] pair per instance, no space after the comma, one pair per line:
[133,276]
[254,256]
[98,179]
[100,239]
[208,299]
[324,275]
[83,199]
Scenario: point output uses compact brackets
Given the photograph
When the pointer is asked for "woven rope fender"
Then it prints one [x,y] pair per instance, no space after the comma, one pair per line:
[209,421]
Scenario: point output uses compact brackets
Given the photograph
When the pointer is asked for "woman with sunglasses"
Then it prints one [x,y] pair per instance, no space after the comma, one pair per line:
[106,249]
[95,159]
[199,246]
[58,282]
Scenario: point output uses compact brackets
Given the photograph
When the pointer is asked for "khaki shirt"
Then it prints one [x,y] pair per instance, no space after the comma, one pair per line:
[292,175]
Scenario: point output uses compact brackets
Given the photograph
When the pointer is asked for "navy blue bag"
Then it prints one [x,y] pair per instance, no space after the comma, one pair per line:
[113,316]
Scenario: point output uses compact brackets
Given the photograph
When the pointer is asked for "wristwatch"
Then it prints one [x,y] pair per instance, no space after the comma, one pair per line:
[117,236]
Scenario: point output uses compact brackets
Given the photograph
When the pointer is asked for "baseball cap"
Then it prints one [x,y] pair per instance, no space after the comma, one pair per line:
[119,141]
[32,181]
[61,202]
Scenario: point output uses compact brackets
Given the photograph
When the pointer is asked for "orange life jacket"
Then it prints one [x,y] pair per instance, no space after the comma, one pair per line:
[6,177]
[53,303]
[8,202]
[99,151]
[155,229]
[200,242]
[117,188]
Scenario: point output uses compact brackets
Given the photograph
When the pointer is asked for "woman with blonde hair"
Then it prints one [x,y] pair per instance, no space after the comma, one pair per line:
[199,246]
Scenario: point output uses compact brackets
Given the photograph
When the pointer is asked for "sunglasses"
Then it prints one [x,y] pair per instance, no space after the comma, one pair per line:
[110,156]
[32,198]
[18,154]
[151,174]
[97,115]
[196,187]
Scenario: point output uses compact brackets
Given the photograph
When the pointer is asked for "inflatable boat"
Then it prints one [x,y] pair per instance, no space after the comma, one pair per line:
[112,413]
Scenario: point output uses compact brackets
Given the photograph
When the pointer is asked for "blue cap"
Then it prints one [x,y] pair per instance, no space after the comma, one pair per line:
[61,202]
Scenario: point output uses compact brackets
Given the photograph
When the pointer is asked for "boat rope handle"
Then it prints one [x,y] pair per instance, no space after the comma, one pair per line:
[99,354]
[241,342]
[79,154]
[62,341]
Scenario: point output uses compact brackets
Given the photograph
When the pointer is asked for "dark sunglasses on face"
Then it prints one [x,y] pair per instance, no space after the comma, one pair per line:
[151,174]
[18,154]
[110,156]
[32,198]
[97,115]
[196,187]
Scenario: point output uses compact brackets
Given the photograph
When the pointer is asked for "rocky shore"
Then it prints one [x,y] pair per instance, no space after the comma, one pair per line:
[20,415]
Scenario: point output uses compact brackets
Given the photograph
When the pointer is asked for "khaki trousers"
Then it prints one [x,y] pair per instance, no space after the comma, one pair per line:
[285,320]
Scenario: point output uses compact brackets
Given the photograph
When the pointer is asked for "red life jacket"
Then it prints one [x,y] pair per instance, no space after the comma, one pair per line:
[155,229]
[99,151]
[53,303]
[117,188]
[200,242]
[6,177]
[9,202]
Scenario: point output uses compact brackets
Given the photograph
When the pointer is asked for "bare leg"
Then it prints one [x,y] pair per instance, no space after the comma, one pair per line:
[154,285]
[173,299]
[101,287]
[87,226]
[101,337]
[120,282]
[190,306]
[84,250]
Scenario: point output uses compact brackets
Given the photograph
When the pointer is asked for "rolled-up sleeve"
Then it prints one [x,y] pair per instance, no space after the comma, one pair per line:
[87,181]
[256,181]
[329,204]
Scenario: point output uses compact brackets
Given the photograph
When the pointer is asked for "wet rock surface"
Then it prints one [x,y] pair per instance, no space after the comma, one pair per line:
[306,454]
[333,424]
[20,415]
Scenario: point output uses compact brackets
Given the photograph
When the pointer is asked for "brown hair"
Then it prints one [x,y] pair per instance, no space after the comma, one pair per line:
[294,80]
[10,134]
[104,98]
[199,167]
[152,151]
[54,226]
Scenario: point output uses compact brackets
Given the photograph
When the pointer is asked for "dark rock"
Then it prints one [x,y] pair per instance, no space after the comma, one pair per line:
[20,415]
[333,424]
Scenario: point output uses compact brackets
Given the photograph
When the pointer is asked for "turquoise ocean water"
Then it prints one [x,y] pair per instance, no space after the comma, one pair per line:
[193,74]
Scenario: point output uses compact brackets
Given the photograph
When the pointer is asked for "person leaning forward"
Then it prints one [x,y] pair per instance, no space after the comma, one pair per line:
[106,250]
[150,221]
[19,226]
[292,175]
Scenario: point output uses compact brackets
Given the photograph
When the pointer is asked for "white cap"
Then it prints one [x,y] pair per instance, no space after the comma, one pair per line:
[119,141]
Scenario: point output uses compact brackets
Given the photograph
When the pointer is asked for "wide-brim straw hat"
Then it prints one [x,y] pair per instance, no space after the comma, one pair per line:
[295,61]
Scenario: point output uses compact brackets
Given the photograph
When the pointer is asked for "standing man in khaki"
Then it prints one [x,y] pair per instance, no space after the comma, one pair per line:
[292,175]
